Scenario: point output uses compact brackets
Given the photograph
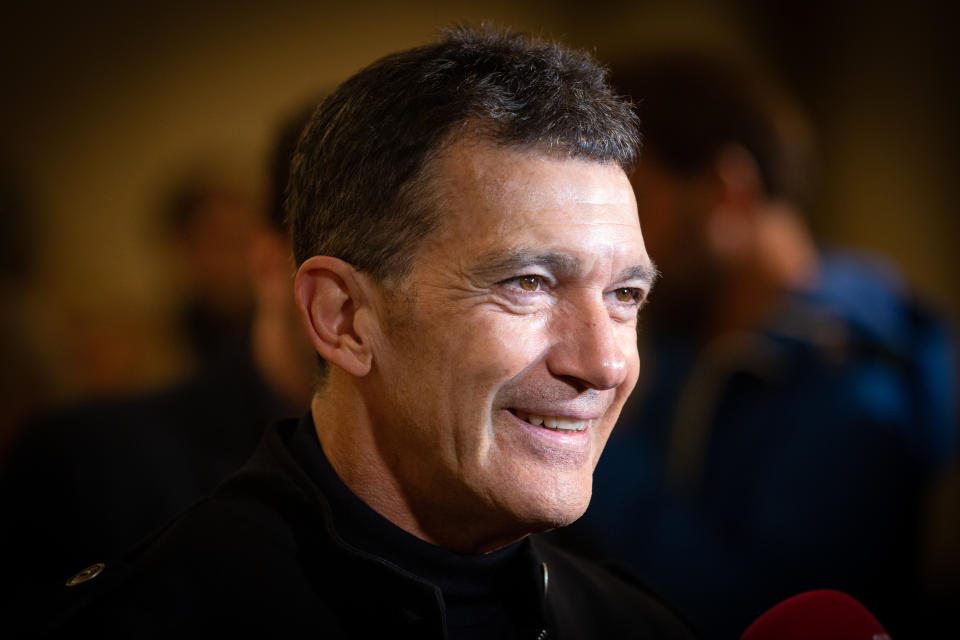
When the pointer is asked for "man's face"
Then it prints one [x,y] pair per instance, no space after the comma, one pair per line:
[512,345]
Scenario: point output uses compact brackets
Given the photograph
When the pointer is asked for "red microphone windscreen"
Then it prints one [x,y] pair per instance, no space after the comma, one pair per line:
[822,615]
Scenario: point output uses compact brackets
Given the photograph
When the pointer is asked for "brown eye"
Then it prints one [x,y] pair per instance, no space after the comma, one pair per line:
[624,295]
[529,283]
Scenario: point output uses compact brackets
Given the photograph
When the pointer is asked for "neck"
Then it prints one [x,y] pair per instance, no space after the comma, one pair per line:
[346,429]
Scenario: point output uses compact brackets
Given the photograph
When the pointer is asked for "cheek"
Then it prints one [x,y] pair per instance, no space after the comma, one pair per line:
[509,345]
[632,354]
[627,337]
[463,360]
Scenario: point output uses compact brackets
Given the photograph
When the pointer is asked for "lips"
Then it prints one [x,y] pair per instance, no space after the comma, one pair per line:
[554,423]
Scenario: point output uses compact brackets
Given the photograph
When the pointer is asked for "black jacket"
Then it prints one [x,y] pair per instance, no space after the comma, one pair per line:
[261,556]
[87,482]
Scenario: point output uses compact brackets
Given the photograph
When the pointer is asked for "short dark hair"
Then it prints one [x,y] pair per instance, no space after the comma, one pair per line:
[356,190]
[285,141]
[692,103]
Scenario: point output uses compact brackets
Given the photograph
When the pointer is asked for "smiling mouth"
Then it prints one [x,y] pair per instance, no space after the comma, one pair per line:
[554,423]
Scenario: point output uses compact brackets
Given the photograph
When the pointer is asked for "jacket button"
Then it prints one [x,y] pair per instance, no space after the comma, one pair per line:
[84,575]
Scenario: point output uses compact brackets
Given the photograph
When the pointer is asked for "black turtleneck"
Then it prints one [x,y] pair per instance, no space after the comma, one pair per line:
[485,595]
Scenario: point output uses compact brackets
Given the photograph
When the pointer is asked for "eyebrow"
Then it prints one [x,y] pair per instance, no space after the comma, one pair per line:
[645,273]
[517,259]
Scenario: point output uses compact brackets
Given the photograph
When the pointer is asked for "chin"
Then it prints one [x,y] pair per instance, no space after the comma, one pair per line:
[557,509]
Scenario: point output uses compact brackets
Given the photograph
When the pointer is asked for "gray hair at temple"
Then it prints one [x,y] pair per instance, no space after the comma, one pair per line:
[360,188]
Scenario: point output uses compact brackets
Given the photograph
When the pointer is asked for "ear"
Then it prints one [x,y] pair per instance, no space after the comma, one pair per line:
[330,295]
[737,200]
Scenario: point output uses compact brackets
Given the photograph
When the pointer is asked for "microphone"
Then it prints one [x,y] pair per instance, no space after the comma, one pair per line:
[823,614]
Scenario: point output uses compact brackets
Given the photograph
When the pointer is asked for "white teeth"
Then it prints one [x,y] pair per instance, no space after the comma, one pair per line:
[571,425]
[556,423]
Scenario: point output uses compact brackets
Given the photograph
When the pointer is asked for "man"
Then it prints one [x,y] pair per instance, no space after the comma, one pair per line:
[471,268]
[797,401]
[87,482]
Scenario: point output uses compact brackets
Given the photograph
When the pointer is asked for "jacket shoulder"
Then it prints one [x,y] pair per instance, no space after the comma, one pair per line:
[231,562]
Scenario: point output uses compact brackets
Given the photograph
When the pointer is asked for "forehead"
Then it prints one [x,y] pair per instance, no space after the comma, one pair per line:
[490,198]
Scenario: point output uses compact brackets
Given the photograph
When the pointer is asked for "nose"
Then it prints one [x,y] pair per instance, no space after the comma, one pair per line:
[589,347]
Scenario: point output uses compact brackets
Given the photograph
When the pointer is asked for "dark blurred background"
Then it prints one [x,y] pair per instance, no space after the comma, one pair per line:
[106,104]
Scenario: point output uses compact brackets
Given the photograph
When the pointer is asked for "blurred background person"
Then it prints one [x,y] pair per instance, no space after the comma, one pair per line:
[209,222]
[83,483]
[795,403]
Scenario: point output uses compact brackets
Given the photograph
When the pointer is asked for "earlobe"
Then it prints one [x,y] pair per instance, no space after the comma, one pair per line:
[329,296]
